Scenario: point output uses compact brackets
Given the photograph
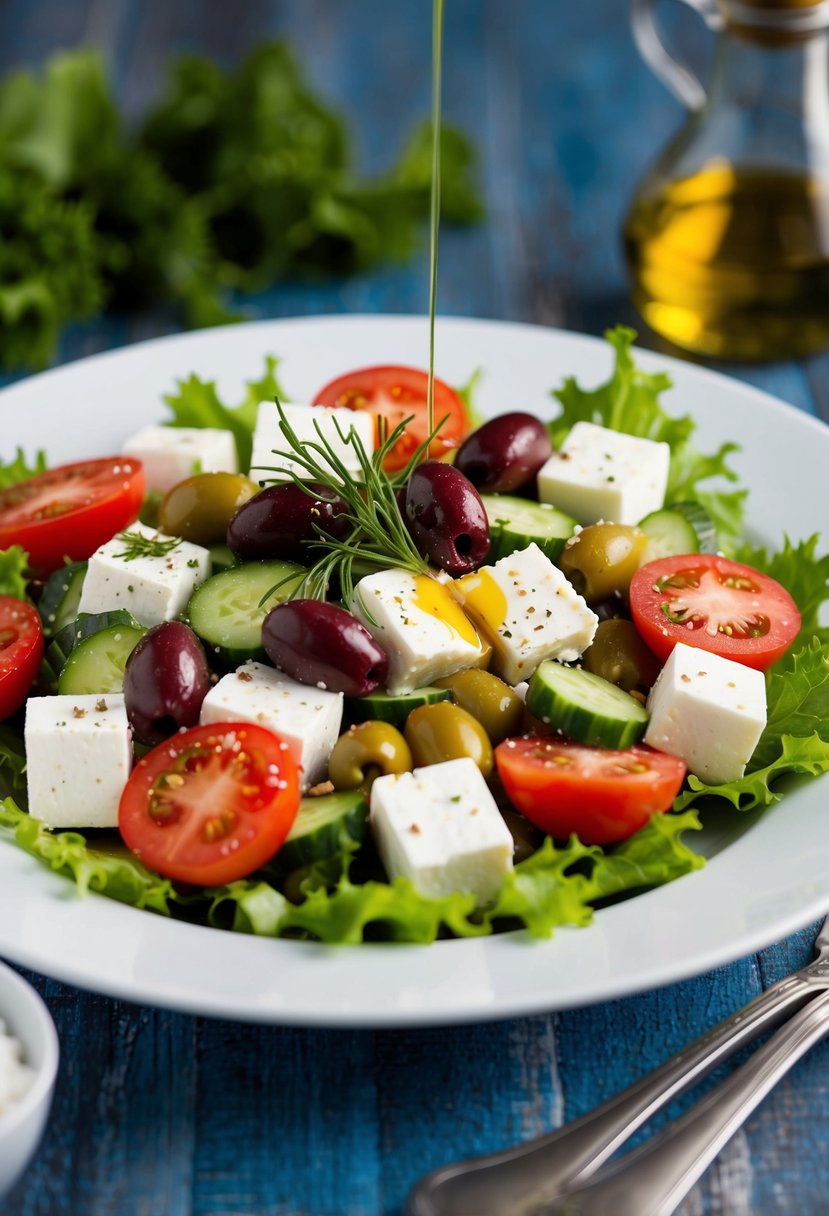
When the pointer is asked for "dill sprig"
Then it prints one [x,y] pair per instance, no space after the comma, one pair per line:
[378,538]
[138,545]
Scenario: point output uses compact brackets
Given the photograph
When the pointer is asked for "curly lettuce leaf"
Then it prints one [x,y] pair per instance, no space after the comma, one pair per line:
[118,876]
[803,573]
[12,764]
[629,402]
[801,755]
[196,403]
[14,562]
[19,469]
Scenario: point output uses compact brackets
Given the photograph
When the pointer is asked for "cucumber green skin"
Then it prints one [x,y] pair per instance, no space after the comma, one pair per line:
[97,663]
[701,522]
[507,535]
[620,722]
[230,643]
[221,558]
[380,707]
[61,595]
[324,826]
[669,534]
[76,632]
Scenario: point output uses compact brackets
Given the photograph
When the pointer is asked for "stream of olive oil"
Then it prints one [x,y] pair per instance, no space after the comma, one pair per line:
[734,263]
[434,208]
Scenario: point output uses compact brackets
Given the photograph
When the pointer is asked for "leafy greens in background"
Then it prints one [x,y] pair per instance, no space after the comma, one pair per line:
[234,180]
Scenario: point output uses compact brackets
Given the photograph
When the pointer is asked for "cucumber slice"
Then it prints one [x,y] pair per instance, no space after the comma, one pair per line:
[669,533]
[97,663]
[55,656]
[89,623]
[61,595]
[227,613]
[515,523]
[701,522]
[324,826]
[382,707]
[221,558]
[585,707]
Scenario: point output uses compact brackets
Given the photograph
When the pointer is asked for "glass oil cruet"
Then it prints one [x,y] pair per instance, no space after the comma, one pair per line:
[727,237]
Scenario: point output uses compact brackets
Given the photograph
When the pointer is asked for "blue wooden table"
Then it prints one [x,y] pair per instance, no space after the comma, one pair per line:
[158,1114]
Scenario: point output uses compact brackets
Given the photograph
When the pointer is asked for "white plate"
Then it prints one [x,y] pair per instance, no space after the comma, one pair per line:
[768,874]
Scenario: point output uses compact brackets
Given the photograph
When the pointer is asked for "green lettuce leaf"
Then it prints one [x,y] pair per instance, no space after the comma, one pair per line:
[809,755]
[803,573]
[654,855]
[797,697]
[196,403]
[14,562]
[117,875]
[629,402]
[19,469]
[12,764]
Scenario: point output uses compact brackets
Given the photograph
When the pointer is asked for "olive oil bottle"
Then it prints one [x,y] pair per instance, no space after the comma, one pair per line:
[727,237]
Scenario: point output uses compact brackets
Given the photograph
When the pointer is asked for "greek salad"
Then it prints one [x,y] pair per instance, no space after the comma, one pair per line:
[355,669]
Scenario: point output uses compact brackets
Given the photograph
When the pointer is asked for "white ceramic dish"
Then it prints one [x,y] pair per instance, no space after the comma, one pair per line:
[21,1126]
[768,874]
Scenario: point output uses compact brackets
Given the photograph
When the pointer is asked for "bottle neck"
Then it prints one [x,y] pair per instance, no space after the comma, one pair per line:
[792,78]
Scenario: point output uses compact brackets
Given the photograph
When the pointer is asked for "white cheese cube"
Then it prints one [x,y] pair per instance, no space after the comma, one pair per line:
[307,718]
[418,623]
[603,474]
[440,828]
[707,710]
[528,610]
[153,586]
[335,425]
[171,453]
[78,759]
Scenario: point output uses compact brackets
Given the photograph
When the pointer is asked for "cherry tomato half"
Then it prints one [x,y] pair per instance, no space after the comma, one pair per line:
[600,794]
[212,804]
[69,511]
[719,605]
[397,393]
[21,649]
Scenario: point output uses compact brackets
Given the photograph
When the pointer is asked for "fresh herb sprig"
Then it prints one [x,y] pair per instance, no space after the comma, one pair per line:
[136,545]
[378,537]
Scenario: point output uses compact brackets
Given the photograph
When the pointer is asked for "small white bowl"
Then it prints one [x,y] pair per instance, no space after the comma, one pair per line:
[21,1126]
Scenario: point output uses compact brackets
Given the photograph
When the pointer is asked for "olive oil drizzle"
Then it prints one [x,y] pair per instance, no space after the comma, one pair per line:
[434,222]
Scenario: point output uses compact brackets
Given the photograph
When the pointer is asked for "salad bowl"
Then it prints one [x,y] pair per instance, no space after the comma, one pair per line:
[767,872]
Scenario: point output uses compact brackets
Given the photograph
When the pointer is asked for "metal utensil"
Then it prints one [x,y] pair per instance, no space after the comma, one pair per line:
[526,1179]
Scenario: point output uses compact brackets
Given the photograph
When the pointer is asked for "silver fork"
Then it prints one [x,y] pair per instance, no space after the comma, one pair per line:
[550,1175]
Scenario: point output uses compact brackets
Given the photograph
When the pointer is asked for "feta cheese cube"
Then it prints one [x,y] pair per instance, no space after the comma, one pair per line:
[707,710]
[418,623]
[335,424]
[440,828]
[528,610]
[78,758]
[307,718]
[603,474]
[171,453]
[154,587]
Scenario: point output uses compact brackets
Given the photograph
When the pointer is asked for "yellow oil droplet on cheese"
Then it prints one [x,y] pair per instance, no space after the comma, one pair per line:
[484,600]
[436,599]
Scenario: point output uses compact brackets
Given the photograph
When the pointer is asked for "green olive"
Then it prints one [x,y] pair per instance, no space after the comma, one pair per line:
[603,558]
[497,707]
[619,655]
[526,837]
[367,751]
[200,507]
[443,731]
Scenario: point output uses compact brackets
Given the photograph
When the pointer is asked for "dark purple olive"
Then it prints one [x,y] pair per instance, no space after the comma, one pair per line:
[446,517]
[279,522]
[321,644]
[165,681]
[505,453]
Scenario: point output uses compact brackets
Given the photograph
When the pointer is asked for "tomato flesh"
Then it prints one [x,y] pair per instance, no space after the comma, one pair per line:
[21,649]
[68,512]
[718,605]
[600,794]
[212,804]
[395,394]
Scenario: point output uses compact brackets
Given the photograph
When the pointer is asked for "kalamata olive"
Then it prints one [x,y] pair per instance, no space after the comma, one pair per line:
[505,453]
[165,681]
[602,559]
[321,644]
[200,508]
[446,517]
[280,522]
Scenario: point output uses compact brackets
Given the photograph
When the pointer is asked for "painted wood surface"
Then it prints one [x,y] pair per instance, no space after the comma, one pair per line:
[159,1114]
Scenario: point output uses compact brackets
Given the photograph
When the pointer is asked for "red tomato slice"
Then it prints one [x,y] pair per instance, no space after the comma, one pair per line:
[21,649]
[397,393]
[69,511]
[719,605]
[600,794]
[212,804]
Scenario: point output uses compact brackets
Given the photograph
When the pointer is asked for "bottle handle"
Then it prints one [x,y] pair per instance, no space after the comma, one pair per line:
[681,81]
